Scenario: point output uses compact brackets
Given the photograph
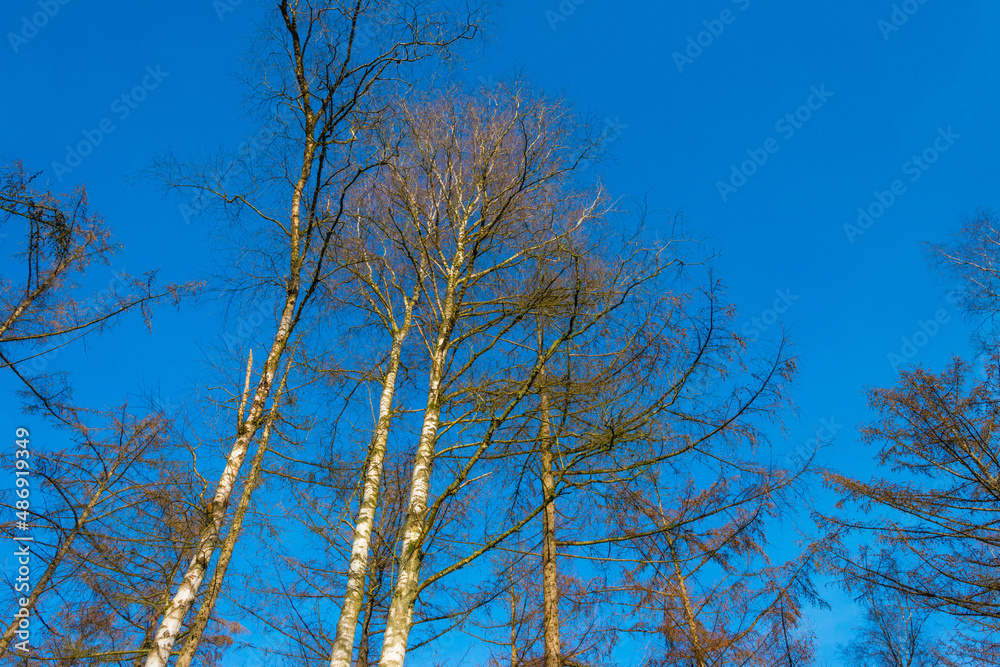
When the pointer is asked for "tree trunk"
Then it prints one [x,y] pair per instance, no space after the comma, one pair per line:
[400,617]
[229,544]
[364,646]
[400,620]
[514,662]
[550,575]
[343,643]
[170,627]
[694,634]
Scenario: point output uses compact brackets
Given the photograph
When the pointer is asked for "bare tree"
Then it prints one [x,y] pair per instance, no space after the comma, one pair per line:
[197,630]
[481,201]
[68,477]
[45,308]
[934,540]
[706,585]
[49,308]
[895,634]
[112,516]
[314,67]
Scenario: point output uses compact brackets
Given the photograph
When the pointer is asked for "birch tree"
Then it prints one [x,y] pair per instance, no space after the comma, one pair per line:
[462,189]
[391,288]
[315,68]
[228,546]
[477,201]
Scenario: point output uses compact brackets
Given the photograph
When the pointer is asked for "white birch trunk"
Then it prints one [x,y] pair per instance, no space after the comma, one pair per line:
[170,627]
[208,542]
[204,614]
[400,618]
[343,643]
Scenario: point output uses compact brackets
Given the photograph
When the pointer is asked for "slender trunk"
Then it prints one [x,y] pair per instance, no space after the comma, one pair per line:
[170,627]
[694,634]
[400,620]
[229,544]
[400,617]
[364,646]
[173,619]
[343,643]
[158,601]
[514,662]
[550,575]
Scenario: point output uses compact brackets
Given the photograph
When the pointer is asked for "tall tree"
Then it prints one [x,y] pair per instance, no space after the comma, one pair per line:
[935,538]
[483,185]
[51,305]
[313,67]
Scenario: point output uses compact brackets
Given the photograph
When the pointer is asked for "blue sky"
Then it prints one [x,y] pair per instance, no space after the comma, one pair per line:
[889,91]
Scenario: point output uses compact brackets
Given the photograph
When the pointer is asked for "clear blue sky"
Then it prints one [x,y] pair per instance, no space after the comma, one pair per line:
[886,95]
